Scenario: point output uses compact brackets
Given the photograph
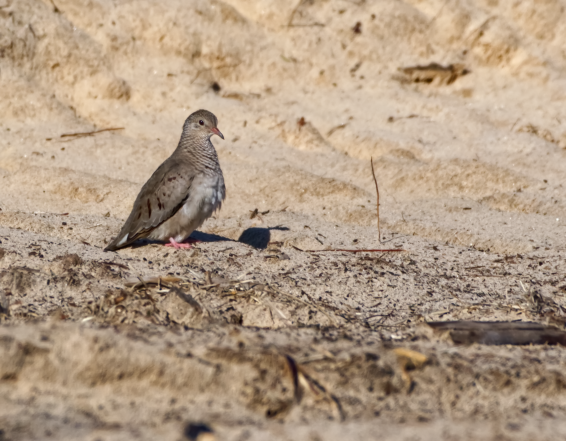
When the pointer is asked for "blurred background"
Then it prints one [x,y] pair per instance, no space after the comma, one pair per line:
[460,103]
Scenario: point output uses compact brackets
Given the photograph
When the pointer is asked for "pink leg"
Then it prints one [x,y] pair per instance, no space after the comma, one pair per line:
[178,245]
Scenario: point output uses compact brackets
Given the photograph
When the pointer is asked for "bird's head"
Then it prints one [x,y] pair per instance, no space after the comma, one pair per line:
[203,124]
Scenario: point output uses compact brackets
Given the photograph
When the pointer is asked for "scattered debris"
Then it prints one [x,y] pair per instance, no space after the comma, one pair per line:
[183,309]
[4,304]
[333,129]
[432,73]
[543,134]
[54,214]
[320,392]
[256,213]
[353,251]
[82,134]
[355,68]
[501,333]
[409,360]
[396,118]
[180,300]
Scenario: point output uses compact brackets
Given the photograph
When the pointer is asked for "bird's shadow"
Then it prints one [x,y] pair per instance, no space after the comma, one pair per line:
[255,237]
[258,238]
[207,237]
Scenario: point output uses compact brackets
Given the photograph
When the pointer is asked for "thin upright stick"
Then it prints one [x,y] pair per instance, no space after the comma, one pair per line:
[377,191]
[378,230]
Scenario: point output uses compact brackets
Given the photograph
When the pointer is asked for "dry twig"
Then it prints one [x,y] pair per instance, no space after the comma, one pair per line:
[377,204]
[355,251]
[79,134]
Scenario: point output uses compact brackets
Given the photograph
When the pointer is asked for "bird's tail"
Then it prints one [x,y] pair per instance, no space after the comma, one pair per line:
[118,242]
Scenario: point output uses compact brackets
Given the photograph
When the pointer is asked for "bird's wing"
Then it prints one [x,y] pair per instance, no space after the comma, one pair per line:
[159,199]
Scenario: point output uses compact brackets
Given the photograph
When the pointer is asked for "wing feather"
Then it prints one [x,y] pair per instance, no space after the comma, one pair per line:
[159,199]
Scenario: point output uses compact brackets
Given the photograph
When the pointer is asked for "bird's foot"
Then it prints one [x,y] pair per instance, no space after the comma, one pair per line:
[178,245]
[186,244]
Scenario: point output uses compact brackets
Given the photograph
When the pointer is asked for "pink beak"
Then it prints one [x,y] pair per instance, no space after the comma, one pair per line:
[217,132]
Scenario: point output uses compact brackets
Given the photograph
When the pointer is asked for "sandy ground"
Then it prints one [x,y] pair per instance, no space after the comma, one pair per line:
[250,335]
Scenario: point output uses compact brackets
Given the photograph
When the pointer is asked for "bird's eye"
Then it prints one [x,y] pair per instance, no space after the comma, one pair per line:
[201,122]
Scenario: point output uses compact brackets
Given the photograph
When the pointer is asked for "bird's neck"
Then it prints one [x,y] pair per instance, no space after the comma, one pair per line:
[199,151]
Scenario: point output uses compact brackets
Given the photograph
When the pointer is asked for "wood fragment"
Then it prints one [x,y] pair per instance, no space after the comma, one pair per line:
[164,281]
[433,73]
[409,360]
[411,116]
[54,214]
[320,392]
[333,129]
[295,377]
[4,304]
[354,251]
[501,333]
[80,134]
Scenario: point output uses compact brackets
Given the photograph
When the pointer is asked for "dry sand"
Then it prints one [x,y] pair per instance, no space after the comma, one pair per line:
[248,333]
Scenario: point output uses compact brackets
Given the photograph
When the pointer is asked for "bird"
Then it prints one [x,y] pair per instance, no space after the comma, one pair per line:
[182,193]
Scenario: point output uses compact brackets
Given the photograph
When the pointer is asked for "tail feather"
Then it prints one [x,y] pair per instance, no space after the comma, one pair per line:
[117,243]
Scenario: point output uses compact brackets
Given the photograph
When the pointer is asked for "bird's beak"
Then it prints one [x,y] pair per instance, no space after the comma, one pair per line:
[217,132]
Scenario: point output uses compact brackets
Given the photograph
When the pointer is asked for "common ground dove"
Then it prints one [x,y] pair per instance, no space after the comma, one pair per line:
[182,193]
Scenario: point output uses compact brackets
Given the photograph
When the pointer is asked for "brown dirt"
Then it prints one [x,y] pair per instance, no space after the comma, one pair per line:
[250,333]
